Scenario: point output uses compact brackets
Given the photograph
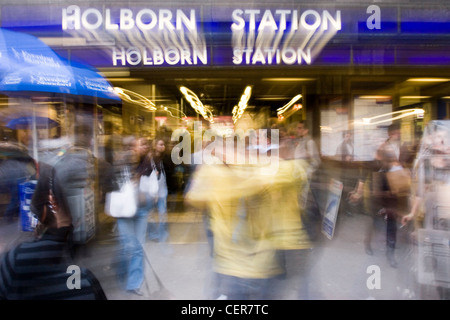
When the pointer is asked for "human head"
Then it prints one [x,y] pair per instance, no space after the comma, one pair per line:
[141,146]
[347,135]
[302,130]
[24,136]
[159,146]
[394,132]
[83,135]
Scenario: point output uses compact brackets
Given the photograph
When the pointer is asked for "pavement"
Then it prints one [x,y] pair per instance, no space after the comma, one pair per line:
[181,268]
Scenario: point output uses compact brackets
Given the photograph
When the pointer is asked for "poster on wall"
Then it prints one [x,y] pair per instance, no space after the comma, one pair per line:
[332,208]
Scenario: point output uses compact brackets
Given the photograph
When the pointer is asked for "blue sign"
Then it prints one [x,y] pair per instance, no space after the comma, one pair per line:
[273,34]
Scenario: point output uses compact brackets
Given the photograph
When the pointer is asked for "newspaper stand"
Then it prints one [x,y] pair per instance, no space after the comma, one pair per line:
[432,170]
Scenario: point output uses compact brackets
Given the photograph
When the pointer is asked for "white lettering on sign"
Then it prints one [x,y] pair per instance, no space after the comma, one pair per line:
[159,36]
[73,18]
[281,36]
[141,37]
[157,56]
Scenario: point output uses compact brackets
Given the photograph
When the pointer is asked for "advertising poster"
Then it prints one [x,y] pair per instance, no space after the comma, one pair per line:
[332,208]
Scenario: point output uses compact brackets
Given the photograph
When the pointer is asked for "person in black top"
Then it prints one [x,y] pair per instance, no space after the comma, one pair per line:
[44,268]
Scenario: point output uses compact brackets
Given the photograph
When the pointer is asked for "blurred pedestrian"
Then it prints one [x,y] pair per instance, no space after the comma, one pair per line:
[350,172]
[386,203]
[133,230]
[244,259]
[306,148]
[45,268]
[155,161]
[345,149]
[294,229]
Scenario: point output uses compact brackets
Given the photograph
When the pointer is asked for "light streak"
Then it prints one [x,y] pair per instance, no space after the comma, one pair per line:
[197,105]
[135,98]
[401,114]
[165,108]
[286,107]
[239,109]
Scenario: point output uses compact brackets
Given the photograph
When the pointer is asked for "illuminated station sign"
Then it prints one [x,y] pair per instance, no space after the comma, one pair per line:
[221,35]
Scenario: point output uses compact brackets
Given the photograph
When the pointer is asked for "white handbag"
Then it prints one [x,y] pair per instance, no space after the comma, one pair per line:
[144,184]
[122,203]
[150,184]
[153,184]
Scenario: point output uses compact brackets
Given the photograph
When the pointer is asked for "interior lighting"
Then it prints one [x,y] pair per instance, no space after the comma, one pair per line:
[239,109]
[415,97]
[135,98]
[399,115]
[375,97]
[166,109]
[287,79]
[196,104]
[116,74]
[288,105]
[428,80]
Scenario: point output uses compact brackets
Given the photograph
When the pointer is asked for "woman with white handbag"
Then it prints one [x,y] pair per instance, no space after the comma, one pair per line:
[153,191]
[133,228]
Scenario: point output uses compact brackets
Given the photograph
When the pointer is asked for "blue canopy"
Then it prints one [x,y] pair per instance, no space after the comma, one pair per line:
[28,65]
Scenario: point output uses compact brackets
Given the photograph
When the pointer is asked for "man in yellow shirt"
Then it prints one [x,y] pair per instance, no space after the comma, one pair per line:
[255,218]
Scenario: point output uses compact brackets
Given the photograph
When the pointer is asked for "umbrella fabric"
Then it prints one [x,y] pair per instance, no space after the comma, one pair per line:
[28,65]
[27,123]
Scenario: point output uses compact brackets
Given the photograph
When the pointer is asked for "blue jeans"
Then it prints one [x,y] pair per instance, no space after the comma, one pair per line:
[158,228]
[132,233]
[235,288]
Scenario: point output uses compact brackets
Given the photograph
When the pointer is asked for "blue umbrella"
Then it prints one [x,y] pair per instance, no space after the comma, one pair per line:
[28,65]
[27,123]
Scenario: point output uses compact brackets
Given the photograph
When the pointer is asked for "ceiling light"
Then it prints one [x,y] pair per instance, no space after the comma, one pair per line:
[428,80]
[415,97]
[116,74]
[287,79]
[374,97]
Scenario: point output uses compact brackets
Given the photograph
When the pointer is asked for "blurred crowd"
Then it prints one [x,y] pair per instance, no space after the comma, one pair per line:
[263,194]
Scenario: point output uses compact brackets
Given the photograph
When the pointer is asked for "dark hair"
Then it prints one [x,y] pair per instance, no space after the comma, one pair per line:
[393,127]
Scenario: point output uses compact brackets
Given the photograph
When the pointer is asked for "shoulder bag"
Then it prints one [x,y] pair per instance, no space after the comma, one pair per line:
[122,203]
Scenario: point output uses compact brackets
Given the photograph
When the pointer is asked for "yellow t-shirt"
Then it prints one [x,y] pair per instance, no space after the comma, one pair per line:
[240,225]
[286,202]
[254,212]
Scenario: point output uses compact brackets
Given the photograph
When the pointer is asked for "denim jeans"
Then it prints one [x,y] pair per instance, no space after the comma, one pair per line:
[158,228]
[235,288]
[132,239]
